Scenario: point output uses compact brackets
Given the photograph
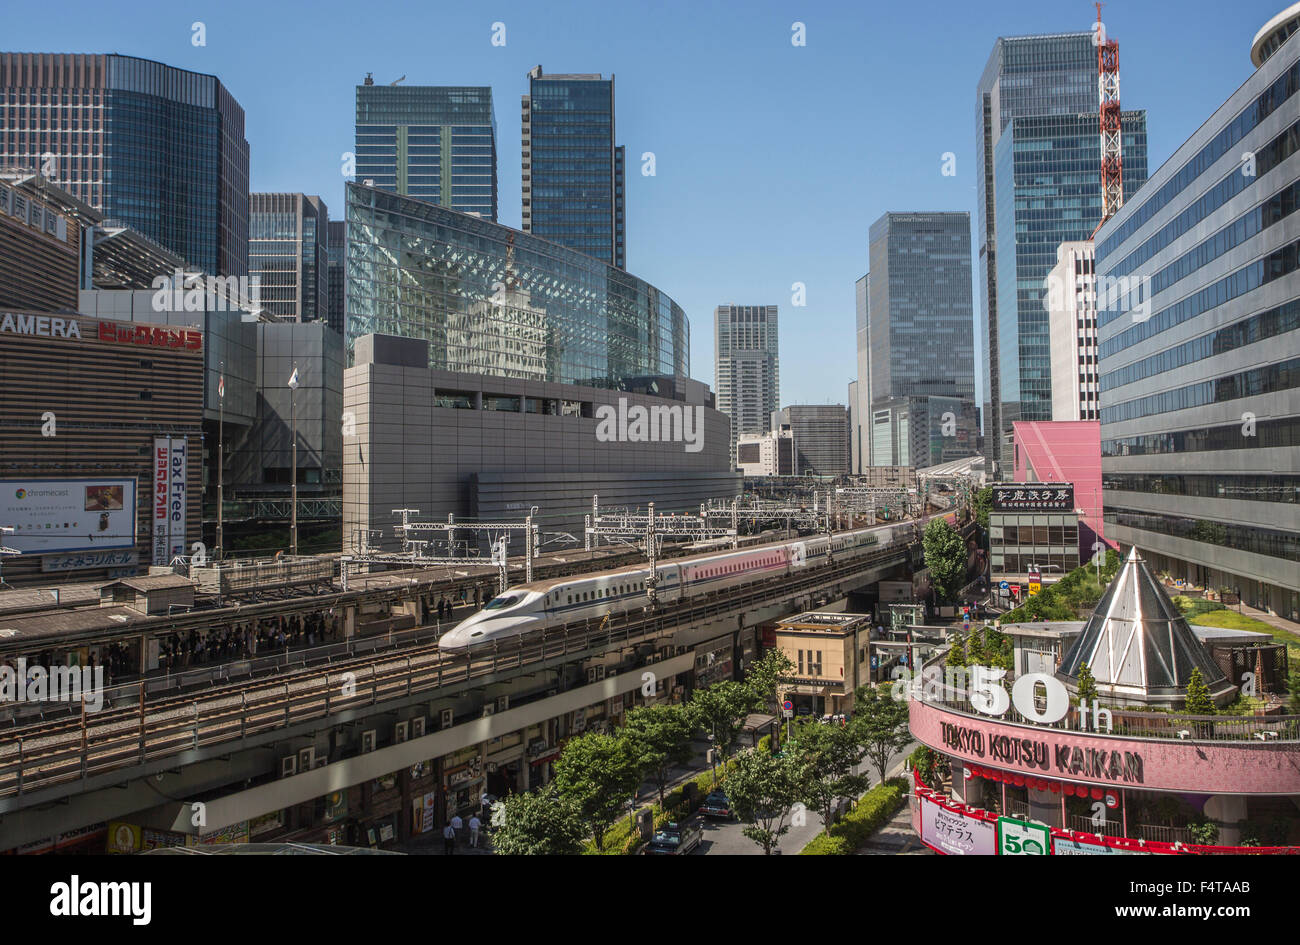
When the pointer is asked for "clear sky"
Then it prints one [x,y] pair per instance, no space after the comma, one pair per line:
[772,160]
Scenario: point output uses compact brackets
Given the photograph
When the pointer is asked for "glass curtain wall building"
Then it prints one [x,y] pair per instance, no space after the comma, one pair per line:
[437,143]
[288,251]
[152,147]
[1199,350]
[492,300]
[336,257]
[918,337]
[1038,153]
[573,172]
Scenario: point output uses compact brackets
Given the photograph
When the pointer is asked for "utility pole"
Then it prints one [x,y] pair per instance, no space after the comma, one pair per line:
[293,470]
[653,578]
[221,456]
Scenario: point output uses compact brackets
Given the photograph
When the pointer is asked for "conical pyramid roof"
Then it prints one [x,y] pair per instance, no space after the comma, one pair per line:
[1137,644]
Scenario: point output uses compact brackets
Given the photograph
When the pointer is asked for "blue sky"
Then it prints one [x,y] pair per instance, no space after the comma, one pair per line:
[772,160]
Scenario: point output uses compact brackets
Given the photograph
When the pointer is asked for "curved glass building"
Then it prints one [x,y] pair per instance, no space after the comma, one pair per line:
[496,301]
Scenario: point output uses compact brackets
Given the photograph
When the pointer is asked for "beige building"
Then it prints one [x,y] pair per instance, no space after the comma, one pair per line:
[831,658]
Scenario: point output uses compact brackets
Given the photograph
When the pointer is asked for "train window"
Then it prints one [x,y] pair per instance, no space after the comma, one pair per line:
[497,603]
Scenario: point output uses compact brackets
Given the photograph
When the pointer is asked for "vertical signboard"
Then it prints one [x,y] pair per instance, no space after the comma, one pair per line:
[170,462]
[1022,838]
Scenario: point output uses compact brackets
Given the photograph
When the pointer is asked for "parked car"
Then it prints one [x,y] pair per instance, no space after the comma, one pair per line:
[675,840]
[716,805]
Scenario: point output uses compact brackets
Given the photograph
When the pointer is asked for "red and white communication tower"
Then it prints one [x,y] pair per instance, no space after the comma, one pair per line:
[1112,165]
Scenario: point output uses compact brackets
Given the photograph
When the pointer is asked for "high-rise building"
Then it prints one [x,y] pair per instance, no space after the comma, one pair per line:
[573,172]
[288,243]
[821,437]
[745,367]
[1071,302]
[1198,315]
[915,335]
[437,143]
[154,148]
[336,254]
[1038,161]
[860,390]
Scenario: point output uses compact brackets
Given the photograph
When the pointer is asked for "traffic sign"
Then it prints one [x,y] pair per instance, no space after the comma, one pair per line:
[788,713]
[1003,586]
[787,705]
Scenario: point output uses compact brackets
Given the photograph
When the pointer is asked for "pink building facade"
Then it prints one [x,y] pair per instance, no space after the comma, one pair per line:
[1065,451]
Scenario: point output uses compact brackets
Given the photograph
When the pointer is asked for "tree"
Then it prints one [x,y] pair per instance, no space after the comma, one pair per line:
[1198,694]
[827,758]
[660,737]
[1293,686]
[945,557]
[761,788]
[982,502]
[599,774]
[541,823]
[1087,685]
[720,710]
[880,725]
[764,680]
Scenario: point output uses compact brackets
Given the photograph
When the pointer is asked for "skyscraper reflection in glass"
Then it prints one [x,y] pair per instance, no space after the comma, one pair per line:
[492,300]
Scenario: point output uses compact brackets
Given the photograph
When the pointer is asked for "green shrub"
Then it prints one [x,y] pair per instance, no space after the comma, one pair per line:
[872,812]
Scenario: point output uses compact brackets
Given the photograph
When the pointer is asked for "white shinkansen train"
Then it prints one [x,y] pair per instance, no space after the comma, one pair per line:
[544,604]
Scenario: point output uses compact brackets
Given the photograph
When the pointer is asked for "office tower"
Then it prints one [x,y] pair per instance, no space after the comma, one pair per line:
[821,437]
[437,143]
[915,336]
[745,367]
[573,172]
[152,147]
[860,396]
[1198,286]
[288,252]
[1071,301]
[1038,167]
[336,255]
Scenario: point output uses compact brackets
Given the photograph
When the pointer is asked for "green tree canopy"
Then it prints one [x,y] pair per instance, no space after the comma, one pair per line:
[599,774]
[982,502]
[660,737]
[537,823]
[945,557]
[827,759]
[1198,694]
[763,680]
[720,710]
[879,724]
[761,788]
[1087,685]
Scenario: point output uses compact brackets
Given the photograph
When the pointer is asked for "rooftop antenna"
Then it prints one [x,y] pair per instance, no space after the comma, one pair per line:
[1112,167]
[370,78]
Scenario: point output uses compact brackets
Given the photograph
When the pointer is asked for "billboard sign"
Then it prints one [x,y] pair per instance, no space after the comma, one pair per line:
[1033,497]
[1062,847]
[170,463]
[50,516]
[1021,838]
[955,834]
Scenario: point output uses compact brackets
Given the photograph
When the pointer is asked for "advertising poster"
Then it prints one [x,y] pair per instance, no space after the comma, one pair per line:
[1021,838]
[170,461]
[954,834]
[1084,848]
[68,515]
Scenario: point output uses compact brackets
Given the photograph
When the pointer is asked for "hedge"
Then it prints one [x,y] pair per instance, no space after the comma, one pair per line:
[855,828]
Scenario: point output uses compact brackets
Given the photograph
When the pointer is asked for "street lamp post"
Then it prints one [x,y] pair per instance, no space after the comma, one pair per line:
[221,456]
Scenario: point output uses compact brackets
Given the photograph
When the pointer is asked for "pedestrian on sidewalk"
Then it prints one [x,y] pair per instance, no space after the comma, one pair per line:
[449,840]
[458,825]
[474,825]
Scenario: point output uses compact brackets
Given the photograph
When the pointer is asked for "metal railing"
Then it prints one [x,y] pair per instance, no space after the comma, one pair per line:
[140,730]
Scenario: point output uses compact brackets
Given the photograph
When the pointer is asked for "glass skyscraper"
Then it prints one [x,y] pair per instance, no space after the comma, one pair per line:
[915,330]
[492,300]
[288,250]
[1198,315]
[152,147]
[336,254]
[437,143]
[573,172]
[1039,159]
